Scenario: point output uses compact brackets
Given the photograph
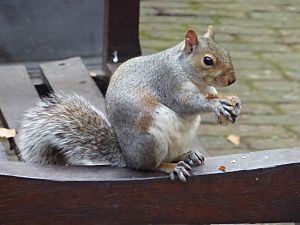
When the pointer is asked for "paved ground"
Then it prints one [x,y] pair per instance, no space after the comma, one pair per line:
[264,40]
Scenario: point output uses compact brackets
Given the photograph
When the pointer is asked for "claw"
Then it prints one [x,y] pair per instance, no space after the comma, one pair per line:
[182,173]
[184,165]
[185,172]
[227,114]
[233,110]
[181,177]
[199,156]
[172,176]
[194,158]
[190,162]
[181,170]
[225,103]
[225,110]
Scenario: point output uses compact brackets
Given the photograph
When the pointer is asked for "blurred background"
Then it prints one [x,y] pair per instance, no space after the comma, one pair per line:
[263,38]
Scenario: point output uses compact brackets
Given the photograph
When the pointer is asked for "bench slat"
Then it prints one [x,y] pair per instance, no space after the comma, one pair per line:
[71,76]
[17,94]
[258,187]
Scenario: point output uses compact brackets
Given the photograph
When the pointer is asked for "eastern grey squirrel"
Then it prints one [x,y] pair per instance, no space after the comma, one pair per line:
[153,104]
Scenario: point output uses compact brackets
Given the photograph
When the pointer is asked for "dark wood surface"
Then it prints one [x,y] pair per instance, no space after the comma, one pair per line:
[17,94]
[71,76]
[258,187]
[123,29]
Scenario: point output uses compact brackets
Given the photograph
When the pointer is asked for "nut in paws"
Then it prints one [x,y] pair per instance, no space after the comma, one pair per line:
[229,109]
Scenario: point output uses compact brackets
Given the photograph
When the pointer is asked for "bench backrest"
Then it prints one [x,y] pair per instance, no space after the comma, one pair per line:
[49,30]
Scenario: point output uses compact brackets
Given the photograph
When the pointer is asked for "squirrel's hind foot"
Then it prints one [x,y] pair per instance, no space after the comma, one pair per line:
[179,170]
[194,158]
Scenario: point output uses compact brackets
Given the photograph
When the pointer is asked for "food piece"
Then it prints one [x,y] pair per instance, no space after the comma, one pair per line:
[210,92]
[222,168]
[234,106]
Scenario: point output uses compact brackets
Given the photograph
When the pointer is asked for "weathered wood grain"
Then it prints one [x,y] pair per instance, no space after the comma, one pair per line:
[17,94]
[258,187]
[71,76]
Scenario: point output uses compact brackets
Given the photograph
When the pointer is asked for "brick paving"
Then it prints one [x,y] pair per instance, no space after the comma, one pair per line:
[263,38]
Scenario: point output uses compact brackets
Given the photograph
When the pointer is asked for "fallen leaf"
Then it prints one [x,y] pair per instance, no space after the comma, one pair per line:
[7,133]
[222,168]
[234,139]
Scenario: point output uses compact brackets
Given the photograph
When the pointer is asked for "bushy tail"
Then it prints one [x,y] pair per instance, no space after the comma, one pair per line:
[67,129]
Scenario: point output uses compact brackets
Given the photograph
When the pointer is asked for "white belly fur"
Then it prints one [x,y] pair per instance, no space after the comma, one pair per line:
[175,131]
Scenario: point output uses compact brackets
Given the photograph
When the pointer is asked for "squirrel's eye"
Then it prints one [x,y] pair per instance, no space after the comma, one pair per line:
[208,61]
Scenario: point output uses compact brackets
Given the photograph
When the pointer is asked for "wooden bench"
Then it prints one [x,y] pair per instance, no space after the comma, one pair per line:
[256,187]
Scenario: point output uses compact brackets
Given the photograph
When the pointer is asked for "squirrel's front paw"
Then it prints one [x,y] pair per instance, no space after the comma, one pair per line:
[224,109]
[181,171]
[233,108]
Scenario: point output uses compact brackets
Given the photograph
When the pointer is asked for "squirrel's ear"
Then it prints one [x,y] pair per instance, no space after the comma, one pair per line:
[210,33]
[191,39]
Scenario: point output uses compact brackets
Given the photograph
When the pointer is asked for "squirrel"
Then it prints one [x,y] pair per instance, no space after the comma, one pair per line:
[153,105]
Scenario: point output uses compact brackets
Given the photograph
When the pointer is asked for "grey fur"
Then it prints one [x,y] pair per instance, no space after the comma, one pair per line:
[67,129]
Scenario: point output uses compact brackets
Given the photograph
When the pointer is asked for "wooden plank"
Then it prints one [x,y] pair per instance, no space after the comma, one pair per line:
[71,76]
[17,94]
[259,187]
